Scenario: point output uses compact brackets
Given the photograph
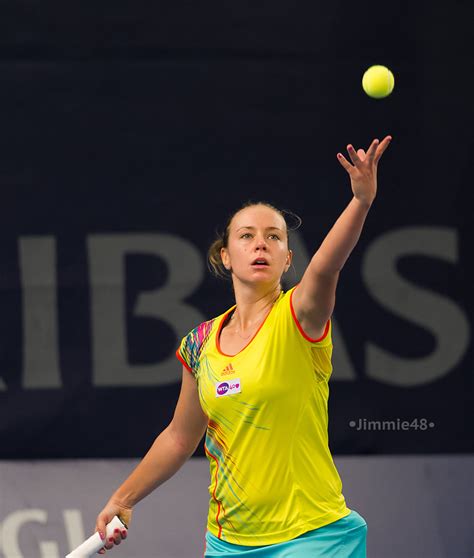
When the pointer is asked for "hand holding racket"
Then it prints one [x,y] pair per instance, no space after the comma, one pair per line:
[118,532]
[95,543]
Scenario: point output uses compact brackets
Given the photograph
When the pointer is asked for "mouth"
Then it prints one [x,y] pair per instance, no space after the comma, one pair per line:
[260,262]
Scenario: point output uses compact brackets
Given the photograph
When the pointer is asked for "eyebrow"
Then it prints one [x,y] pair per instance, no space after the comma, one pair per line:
[267,229]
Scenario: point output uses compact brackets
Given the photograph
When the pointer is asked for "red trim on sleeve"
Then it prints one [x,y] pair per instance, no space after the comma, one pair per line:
[181,359]
[293,313]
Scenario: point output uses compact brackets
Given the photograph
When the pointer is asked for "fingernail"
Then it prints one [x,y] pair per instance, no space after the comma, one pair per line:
[102,536]
[111,539]
[124,533]
[117,531]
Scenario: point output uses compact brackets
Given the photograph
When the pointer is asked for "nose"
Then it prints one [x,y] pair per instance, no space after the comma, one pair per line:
[261,243]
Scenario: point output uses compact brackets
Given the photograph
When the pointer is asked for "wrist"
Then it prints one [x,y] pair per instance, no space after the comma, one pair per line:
[124,501]
[364,202]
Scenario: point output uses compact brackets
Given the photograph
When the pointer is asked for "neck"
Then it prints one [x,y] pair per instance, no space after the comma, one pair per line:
[251,307]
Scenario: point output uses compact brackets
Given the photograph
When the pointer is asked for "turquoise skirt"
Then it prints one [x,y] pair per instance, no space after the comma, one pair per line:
[344,538]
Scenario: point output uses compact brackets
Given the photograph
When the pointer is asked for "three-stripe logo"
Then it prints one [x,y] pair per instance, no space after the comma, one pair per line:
[229,369]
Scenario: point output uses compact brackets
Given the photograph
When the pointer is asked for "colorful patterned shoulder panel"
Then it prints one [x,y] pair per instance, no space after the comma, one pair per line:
[192,345]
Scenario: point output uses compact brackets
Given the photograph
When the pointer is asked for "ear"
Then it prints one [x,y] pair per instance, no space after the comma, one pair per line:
[225,258]
[289,259]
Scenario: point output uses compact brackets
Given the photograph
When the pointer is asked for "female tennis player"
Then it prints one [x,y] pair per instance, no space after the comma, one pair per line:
[255,380]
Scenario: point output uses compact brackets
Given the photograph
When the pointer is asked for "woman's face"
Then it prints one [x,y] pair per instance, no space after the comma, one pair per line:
[257,233]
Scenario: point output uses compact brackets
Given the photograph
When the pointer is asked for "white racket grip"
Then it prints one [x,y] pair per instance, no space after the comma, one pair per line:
[94,543]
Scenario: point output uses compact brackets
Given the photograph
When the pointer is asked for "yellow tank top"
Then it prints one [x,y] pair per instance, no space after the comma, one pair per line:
[271,470]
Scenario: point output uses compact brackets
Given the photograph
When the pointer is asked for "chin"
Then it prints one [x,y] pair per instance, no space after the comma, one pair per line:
[263,279]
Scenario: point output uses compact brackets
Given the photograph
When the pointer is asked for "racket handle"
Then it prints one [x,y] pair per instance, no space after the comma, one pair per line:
[94,543]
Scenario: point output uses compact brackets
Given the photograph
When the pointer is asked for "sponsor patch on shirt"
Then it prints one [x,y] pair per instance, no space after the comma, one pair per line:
[228,388]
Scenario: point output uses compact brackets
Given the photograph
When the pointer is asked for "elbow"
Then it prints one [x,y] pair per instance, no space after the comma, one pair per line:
[184,443]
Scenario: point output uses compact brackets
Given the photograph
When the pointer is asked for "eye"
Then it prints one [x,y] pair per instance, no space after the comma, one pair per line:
[245,234]
[276,236]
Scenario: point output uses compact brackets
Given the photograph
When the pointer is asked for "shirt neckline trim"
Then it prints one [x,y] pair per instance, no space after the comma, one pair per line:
[223,320]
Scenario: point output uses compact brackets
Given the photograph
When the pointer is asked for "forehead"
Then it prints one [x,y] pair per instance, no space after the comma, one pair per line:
[258,216]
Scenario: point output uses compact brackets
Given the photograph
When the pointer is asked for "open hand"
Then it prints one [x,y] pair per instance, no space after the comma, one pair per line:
[363,172]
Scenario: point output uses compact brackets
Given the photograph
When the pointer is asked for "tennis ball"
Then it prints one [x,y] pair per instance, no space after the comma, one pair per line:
[378,82]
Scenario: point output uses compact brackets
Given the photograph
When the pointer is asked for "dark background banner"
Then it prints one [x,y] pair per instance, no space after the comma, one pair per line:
[129,132]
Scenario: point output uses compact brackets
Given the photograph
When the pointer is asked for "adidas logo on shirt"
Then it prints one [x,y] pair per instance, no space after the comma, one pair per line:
[229,369]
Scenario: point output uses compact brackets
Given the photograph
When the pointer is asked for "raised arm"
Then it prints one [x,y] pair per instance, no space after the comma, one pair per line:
[315,296]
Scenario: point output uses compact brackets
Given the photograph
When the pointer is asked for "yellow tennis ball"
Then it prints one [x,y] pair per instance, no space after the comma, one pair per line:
[378,82]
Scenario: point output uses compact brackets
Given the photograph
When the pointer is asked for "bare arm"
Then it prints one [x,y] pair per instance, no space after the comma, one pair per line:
[171,449]
[315,296]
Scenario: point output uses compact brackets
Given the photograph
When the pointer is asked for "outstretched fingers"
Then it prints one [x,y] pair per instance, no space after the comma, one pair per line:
[344,162]
[373,154]
[372,150]
[381,148]
[352,154]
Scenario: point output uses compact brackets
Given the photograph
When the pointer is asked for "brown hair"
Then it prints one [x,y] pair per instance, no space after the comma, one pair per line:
[214,259]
